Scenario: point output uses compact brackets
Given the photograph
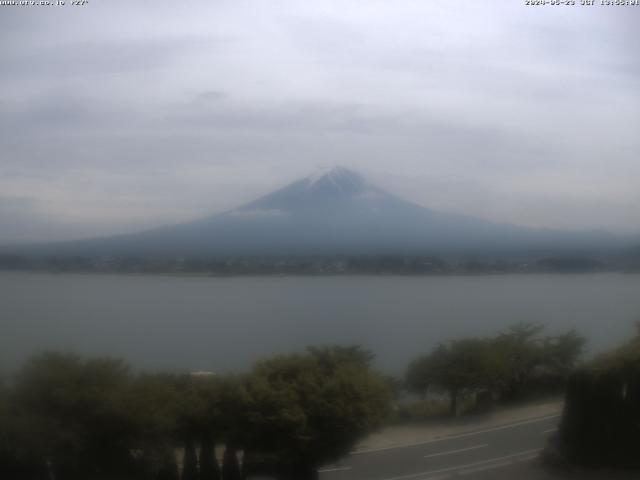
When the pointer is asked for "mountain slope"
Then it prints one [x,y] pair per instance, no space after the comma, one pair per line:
[336,211]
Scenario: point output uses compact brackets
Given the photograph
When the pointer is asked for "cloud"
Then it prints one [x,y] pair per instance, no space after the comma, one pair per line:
[22,220]
[16,204]
[121,115]
[210,96]
[87,58]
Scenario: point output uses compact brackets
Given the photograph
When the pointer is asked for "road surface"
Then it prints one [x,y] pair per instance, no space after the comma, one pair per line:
[497,453]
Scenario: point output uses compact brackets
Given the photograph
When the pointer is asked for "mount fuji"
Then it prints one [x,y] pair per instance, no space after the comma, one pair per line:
[337,212]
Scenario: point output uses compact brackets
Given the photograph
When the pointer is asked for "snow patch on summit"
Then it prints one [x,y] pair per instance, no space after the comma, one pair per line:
[340,177]
[271,212]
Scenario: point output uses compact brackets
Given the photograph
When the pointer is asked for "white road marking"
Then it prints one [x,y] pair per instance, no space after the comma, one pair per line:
[451,452]
[336,469]
[550,430]
[500,461]
[497,465]
[453,437]
[484,468]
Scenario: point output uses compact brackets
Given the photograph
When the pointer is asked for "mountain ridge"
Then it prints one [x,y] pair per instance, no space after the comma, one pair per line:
[336,211]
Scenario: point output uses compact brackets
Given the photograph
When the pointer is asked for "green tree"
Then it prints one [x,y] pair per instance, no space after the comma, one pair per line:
[528,356]
[5,438]
[209,468]
[153,405]
[503,366]
[74,415]
[562,352]
[16,460]
[230,465]
[420,374]
[460,367]
[600,423]
[190,460]
[521,348]
[309,409]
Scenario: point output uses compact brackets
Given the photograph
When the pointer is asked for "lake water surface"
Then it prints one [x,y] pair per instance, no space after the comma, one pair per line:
[224,324]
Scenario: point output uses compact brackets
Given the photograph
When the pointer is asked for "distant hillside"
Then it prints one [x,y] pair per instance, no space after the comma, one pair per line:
[336,212]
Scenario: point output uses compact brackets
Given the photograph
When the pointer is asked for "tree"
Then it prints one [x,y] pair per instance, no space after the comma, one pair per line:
[153,405]
[521,350]
[15,458]
[74,415]
[190,461]
[165,466]
[460,367]
[209,469]
[421,373]
[600,423]
[502,366]
[562,352]
[529,356]
[230,465]
[308,409]
[5,438]
[193,419]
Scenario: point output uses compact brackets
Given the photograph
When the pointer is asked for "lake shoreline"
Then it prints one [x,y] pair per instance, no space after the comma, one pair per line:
[319,275]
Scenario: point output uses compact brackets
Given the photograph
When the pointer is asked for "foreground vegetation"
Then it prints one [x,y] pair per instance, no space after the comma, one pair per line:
[477,372]
[601,422]
[65,417]
[70,418]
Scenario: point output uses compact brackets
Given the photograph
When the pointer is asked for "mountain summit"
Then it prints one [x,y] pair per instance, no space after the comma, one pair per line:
[322,189]
[335,212]
[337,179]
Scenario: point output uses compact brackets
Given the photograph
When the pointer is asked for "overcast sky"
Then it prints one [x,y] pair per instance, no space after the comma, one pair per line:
[122,115]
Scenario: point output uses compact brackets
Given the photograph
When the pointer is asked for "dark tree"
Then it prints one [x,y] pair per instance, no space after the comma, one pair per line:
[515,362]
[522,351]
[153,404]
[461,367]
[419,376]
[533,361]
[190,460]
[75,414]
[168,468]
[562,352]
[18,460]
[230,464]
[209,469]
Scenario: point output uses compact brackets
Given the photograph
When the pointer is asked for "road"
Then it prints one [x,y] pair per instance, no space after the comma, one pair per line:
[498,453]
